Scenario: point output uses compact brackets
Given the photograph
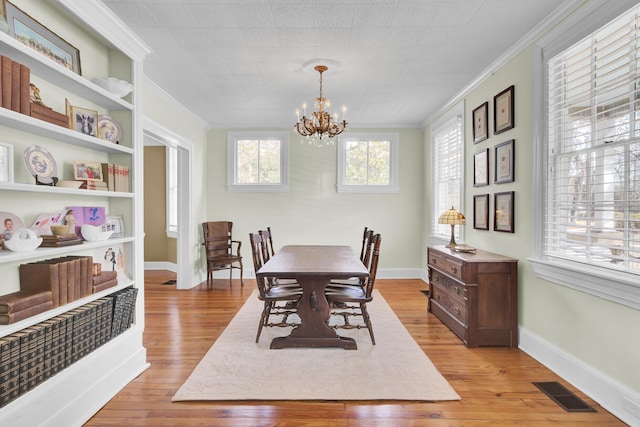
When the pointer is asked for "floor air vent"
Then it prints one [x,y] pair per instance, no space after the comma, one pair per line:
[564,397]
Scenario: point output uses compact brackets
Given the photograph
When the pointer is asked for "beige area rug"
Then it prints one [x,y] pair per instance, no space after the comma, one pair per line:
[236,368]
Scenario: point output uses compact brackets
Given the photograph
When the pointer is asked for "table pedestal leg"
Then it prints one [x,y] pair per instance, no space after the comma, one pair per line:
[314,312]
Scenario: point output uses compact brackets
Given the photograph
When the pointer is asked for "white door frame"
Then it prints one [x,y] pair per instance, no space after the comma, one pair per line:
[185,199]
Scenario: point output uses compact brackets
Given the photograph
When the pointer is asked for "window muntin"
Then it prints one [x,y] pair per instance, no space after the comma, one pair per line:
[592,191]
[368,163]
[258,161]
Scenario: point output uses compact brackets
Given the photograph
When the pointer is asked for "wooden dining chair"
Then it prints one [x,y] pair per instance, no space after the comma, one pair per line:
[278,300]
[365,257]
[350,301]
[218,245]
[267,252]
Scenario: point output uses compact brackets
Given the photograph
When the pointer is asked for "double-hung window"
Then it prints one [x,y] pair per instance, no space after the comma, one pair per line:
[447,154]
[257,161]
[368,163]
[590,157]
[172,191]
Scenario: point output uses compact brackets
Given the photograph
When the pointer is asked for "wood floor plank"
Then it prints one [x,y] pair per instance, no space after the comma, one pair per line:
[181,325]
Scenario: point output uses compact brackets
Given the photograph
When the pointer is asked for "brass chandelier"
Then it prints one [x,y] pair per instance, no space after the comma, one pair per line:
[320,124]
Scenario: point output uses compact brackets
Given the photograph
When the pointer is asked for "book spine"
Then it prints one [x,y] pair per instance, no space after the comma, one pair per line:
[25,91]
[7,319]
[9,369]
[15,86]
[6,70]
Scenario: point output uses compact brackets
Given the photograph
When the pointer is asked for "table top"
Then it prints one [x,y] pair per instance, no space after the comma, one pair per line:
[335,262]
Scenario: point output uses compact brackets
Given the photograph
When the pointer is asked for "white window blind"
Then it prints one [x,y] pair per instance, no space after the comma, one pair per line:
[592,190]
[447,154]
[172,189]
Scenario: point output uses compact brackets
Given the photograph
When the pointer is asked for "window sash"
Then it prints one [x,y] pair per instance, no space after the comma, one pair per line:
[592,152]
[257,161]
[368,163]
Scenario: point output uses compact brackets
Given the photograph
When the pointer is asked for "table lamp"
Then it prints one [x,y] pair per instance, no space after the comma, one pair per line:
[452,217]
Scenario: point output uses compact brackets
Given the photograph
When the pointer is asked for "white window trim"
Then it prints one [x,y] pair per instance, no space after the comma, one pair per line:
[172,232]
[619,287]
[394,173]
[232,137]
[456,110]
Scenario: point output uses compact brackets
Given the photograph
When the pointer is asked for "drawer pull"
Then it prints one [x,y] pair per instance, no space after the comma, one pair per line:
[435,277]
[457,310]
[433,260]
[454,269]
[456,289]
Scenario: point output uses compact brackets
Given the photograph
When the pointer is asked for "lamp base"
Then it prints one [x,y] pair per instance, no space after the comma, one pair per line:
[452,243]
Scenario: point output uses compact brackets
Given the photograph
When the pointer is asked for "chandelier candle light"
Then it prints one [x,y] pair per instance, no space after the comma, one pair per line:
[320,124]
[452,217]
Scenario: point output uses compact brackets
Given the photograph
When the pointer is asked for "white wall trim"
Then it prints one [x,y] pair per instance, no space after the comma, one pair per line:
[174,102]
[613,396]
[161,265]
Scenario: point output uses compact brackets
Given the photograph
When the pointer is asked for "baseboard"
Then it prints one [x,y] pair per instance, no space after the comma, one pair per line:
[613,396]
[161,265]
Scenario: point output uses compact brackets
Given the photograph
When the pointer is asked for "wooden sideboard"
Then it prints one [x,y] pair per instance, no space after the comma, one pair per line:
[475,295]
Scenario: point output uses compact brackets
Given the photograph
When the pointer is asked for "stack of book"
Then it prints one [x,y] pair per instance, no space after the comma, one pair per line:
[56,241]
[68,278]
[42,112]
[104,280]
[94,185]
[15,92]
[115,177]
[19,305]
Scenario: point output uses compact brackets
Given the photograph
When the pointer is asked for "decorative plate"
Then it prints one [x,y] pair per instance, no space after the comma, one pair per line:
[40,163]
[109,129]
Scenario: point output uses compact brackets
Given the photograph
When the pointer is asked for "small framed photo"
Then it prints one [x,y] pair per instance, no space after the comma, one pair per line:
[6,162]
[480,123]
[84,120]
[504,162]
[503,211]
[481,168]
[503,111]
[30,32]
[481,211]
[89,171]
[115,223]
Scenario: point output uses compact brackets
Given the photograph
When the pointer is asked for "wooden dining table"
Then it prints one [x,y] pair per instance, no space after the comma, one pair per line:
[313,267]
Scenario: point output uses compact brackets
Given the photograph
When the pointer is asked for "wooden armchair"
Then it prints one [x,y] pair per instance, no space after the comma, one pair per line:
[218,245]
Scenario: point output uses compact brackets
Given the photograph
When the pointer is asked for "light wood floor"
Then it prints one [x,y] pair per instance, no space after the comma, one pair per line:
[495,383]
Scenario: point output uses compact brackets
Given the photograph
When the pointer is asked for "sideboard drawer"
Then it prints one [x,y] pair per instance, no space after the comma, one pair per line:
[455,305]
[446,264]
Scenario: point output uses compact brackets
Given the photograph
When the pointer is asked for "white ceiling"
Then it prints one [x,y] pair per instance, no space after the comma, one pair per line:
[239,63]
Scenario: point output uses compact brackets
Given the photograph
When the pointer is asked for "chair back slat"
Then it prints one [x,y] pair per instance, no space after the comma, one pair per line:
[256,253]
[373,268]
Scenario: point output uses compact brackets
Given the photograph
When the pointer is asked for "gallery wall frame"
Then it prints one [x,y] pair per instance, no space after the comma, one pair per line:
[503,215]
[480,119]
[481,168]
[504,162]
[481,211]
[504,110]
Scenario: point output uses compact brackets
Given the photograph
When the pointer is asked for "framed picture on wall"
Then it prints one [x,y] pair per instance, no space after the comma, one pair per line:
[6,162]
[503,111]
[481,211]
[481,168]
[503,211]
[480,123]
[504,162]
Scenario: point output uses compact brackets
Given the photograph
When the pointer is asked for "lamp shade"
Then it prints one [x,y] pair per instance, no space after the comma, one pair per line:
[452,217]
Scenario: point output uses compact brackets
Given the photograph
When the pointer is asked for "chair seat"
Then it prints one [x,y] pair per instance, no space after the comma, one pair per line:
[282,293]
[347,294]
